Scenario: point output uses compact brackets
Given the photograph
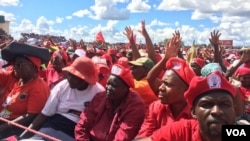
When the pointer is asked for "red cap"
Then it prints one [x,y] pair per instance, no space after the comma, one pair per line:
[124,73]
[107,57]
[199,61]
[242,71]
[181,68]
[124,62]
[111,51]
[213,81]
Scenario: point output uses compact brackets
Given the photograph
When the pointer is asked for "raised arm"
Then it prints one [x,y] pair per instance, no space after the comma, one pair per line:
[130,35]
[171,50]
[245,57]
[149,44]
[214,40]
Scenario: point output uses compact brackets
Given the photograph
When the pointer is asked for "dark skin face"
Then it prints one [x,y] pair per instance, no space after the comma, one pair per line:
[24,69]
[138,72]
[116,90]
[172,88]
[76,82]
[57,64]
[196,68]
[212,111]
[245,80]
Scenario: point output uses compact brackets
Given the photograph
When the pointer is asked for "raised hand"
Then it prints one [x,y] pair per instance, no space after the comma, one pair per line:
[129,33]
[245,57]
[214,40]
[143,30]
[173,45]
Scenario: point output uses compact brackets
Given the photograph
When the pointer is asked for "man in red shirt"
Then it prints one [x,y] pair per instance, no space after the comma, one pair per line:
[113,115]
[212,103]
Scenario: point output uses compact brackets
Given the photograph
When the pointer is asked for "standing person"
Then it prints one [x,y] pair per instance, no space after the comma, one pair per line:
[212,101]
[113,115]
[68,98]
[22,92]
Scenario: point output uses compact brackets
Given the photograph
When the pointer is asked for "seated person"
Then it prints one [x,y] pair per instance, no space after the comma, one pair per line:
[115,114]
[22,93]
[171,106]
[68,98]
[140,69]
[212,101]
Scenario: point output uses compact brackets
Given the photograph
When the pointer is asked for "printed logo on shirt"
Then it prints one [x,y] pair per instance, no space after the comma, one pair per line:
[23,96]
[5,113]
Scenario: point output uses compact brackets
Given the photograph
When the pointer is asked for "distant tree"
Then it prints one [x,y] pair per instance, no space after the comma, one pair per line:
[166,40]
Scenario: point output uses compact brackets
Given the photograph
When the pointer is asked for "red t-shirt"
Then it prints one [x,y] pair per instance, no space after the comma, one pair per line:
[160,115]
[22,99]
[183,130]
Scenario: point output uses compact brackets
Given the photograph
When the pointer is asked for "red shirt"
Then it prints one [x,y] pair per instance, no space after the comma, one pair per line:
[22,99]
[159,115]
[183,130]
[98,123]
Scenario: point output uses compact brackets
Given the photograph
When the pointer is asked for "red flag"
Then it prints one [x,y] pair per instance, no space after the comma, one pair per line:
[99,37]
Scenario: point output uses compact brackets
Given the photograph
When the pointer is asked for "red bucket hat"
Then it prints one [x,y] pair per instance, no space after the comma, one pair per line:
[84,68]
[213,81]
[123,73]
[181,68]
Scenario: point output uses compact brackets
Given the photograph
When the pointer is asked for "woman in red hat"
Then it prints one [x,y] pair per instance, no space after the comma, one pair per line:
[115,114]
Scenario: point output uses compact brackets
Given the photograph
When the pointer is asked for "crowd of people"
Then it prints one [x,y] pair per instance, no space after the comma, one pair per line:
[68,90]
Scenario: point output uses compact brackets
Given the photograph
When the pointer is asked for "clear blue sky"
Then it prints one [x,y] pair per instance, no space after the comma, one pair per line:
[82,19]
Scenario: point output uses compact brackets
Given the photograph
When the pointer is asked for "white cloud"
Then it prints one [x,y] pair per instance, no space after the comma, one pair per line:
[82,13]
[197,15]
[120,1]
[176,23]
[9,2]
[138,6]
[106,9]
[59,20]
[156,22]
[8,16]
[239,7]
[68,17]
[231,18]
[43,25]
[172,5]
